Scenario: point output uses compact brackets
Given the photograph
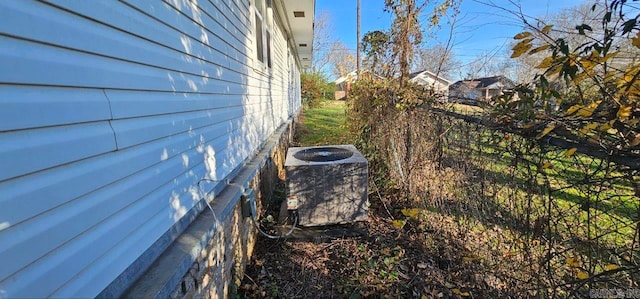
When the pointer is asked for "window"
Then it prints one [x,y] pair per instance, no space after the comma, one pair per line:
[263,31]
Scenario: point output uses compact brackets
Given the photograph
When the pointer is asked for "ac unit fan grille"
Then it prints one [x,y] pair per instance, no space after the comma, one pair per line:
[323,154]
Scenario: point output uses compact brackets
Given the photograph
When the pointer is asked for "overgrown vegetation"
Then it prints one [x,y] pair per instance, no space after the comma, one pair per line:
[535,195]
[542,188]
[315,89]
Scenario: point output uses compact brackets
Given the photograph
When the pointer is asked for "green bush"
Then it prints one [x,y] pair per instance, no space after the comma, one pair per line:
[315,88]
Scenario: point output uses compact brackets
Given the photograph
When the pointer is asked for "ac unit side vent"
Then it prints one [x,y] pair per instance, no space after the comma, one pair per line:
[329,184]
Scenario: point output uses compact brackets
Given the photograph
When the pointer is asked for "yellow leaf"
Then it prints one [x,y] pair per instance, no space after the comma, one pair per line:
[586,129]
[587,64]
[573,262]
[456,291]
[398,223]
[547,62]
[546,29]
[468,259]
[522,35]
[411,213]
[636,40]
[573,109]
[611,267]
[538,49]
[582,275]
[554,70]
[519,51]
[624,111]
[522,47]
[604,127]
[465,294]
[545,165]
[594,104]
[607,57]
[588,111]
[546,131]
[570,152]
[579,77]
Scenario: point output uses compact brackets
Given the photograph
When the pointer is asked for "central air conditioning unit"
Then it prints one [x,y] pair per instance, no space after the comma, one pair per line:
[327,184]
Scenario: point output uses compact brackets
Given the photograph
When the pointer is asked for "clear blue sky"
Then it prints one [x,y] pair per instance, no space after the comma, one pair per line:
[480,28]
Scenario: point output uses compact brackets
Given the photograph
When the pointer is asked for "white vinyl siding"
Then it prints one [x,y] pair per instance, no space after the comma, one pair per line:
[110,113]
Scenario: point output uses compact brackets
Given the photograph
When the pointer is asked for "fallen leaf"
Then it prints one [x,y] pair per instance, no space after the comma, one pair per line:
[570,152]
[546,131]
[588,128]
[636,40]
[573,109]
[624,111]
[545,165]
[411,213]
[422,266]
[398,223]
[611,267]
[582,275]
[468,259]
[635,141]
[573,262]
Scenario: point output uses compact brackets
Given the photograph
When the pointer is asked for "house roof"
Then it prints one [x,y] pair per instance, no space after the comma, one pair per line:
[426,73]
[352,76]
[495,82]
[298,16]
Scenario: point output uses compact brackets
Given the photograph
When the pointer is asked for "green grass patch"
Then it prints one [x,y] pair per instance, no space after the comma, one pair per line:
[324,125]
[605,199]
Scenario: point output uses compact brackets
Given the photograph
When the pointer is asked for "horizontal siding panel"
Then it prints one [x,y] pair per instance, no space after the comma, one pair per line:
[175,19]
[27,151]
[93,278]
[238,12]
[45,24]
[132,131]
[173,89]
[112,211]
[127,104]
[35,106]
[28,196]
[210,18]
[38,64]
[142,26]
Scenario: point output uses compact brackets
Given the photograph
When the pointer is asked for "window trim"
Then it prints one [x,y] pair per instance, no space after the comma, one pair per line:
[263,22]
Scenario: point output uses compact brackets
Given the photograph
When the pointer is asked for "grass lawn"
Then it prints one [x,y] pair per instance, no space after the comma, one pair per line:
[324,125]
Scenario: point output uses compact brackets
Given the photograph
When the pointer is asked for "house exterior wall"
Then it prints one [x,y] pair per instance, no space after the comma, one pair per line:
[110,114]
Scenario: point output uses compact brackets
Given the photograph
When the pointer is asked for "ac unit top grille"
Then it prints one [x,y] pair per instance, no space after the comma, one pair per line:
[323,154]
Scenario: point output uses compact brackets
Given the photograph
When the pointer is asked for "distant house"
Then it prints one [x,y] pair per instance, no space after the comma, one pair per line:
[343,84]
[480,89]
[430,80]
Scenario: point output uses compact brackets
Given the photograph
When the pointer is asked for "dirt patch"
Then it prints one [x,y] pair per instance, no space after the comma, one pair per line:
[408,261]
